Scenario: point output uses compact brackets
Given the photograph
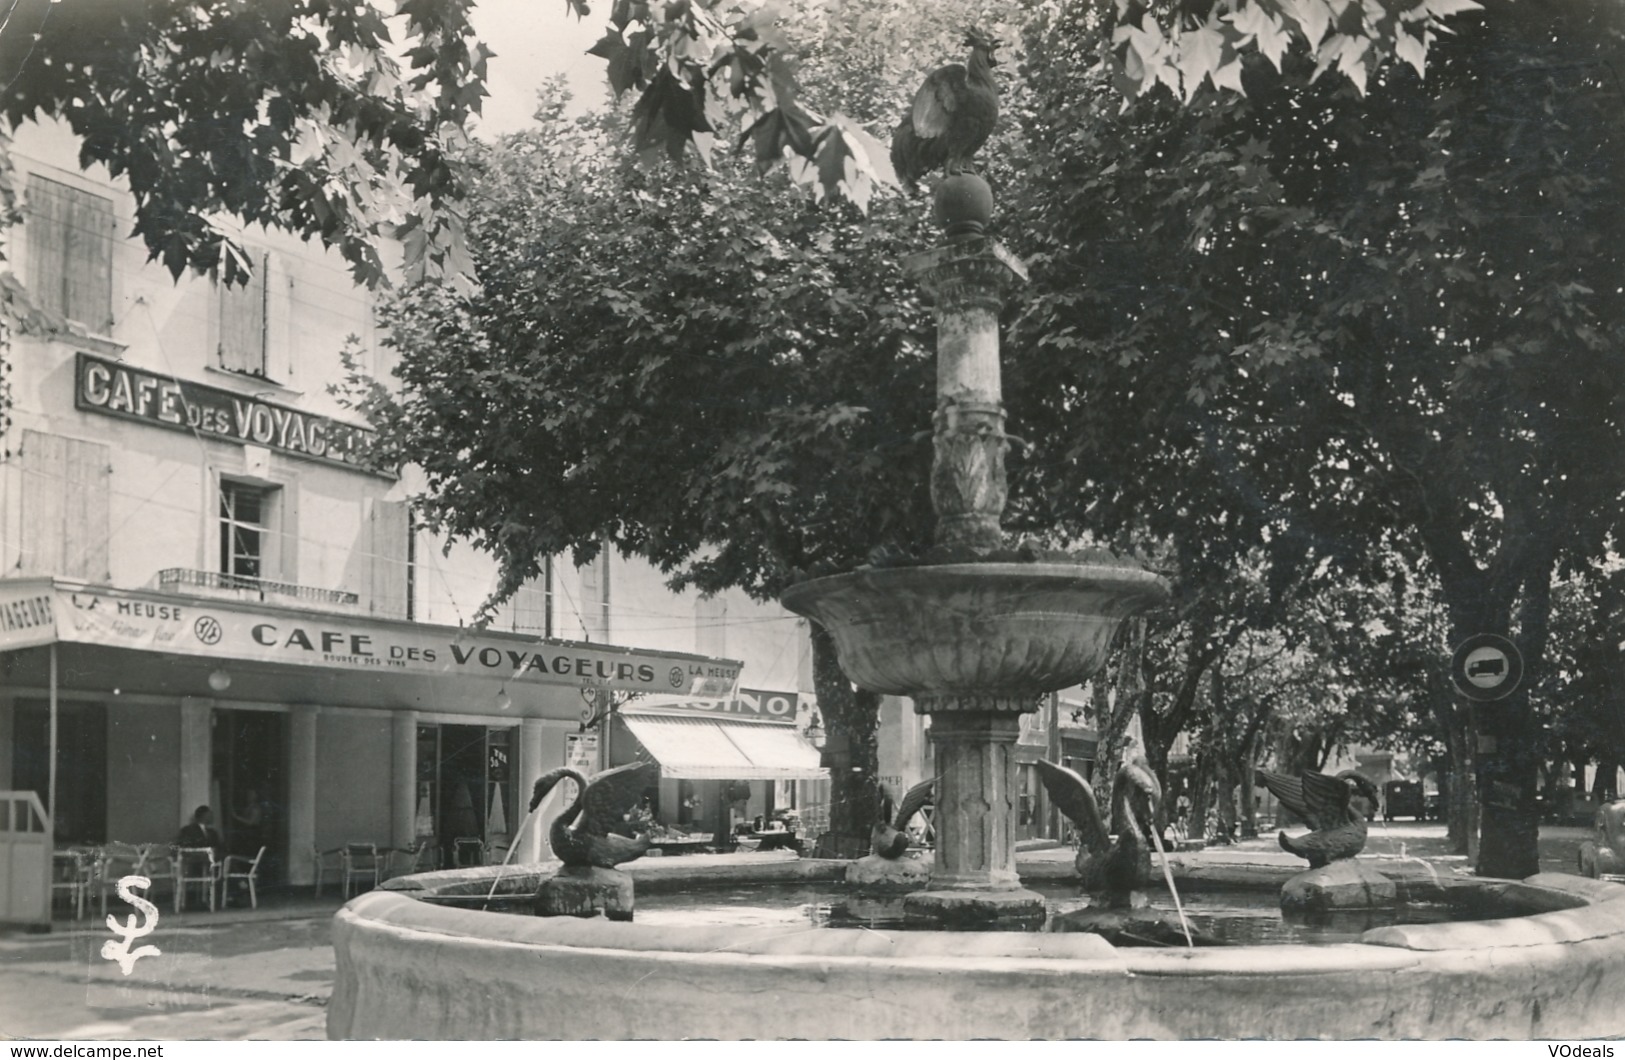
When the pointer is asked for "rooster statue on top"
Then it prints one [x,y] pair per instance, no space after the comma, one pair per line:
[953,114]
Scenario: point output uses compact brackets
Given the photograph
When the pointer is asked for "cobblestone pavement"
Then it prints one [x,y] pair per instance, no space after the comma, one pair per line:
[266,974]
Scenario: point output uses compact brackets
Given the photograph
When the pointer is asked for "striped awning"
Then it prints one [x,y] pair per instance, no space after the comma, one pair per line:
[708,749]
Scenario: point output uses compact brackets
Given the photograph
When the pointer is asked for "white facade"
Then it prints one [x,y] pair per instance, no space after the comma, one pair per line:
[172,459]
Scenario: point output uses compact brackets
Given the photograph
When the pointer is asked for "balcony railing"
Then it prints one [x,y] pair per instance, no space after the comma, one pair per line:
[209,579]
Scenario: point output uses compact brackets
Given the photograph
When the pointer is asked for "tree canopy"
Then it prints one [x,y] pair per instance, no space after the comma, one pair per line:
[1341,327]
[295,114]
[1326,327]
[292,114]
[711,372]
[672,55]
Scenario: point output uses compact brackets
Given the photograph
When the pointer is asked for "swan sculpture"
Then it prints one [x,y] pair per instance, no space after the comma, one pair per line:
[592,829]
[1334,808]
[1115,872]
[890,839]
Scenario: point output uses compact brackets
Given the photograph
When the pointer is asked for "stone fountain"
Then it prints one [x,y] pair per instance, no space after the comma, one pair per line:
[973,636]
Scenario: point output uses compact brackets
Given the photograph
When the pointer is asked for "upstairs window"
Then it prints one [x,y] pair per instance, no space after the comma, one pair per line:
[244,530]
[70,252]
[242,321]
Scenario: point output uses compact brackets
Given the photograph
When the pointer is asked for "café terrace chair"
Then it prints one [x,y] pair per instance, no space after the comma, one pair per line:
[240,867]
[320,859]
[158,865]
[71,874]
[116,861]
[195,866]
[362,863]
[419,857]
[467,851]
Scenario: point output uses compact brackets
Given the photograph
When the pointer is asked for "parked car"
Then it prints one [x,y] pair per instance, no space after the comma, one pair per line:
[1403,798]
[1604,853]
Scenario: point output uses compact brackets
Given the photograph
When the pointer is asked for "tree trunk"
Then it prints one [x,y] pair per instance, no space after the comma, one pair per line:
[1201,786]
[1226,765]
[1249,793]
[1605,785]
[1455,778]
[1125,703]
[1504,733]
[852,720]
[1463,794]
[1224,783]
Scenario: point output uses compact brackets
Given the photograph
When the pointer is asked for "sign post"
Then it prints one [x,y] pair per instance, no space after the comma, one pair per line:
[1486,667]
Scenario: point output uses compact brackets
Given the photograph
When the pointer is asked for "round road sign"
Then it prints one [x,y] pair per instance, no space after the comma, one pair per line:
[1486,667]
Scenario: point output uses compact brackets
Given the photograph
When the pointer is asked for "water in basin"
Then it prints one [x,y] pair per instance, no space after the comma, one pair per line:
[1241,917]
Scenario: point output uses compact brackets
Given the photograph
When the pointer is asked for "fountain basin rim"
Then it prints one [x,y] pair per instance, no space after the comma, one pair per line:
[1083,573]
[503,976]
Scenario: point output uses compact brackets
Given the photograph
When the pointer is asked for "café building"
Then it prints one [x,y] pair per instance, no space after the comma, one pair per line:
[349,729]
[208,598]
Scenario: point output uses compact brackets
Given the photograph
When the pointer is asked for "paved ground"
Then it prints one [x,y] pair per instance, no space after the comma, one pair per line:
[266,974]
[1559,847]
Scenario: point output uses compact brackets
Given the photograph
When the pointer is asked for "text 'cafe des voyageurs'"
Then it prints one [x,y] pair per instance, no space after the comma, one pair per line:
[351,729]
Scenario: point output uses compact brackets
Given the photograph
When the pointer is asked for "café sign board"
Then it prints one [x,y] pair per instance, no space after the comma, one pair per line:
[36,609]
[122,390]
[27,614]
[753,703]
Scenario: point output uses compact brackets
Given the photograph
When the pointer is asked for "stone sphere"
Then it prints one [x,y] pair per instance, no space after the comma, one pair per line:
[963,204]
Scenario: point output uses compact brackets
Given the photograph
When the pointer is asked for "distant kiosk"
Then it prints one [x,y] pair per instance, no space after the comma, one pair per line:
[1486,667]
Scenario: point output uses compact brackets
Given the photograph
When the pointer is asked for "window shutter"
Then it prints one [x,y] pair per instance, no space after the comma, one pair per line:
[66,484]
[530,606]
[389,531]
[90,261]
[47,244]
[85,536]
[70,249]
[242,322]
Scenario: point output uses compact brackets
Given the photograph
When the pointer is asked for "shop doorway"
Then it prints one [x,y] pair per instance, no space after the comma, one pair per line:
[466,801]
[81,765]
[250,790]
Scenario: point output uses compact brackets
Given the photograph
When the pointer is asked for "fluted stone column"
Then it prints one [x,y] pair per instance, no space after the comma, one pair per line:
[973,737]
[973,874]
[968,281]
[976,799]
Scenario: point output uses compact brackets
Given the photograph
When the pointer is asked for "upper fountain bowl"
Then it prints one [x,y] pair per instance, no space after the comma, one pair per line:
[976,635]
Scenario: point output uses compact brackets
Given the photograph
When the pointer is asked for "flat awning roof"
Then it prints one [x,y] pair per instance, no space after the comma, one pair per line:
[708,749]
[161,643]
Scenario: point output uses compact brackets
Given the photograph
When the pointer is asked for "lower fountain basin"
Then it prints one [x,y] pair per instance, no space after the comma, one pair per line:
[1224,916]
[414,969]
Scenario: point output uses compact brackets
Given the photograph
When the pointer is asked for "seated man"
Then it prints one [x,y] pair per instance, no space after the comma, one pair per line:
[201,832]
